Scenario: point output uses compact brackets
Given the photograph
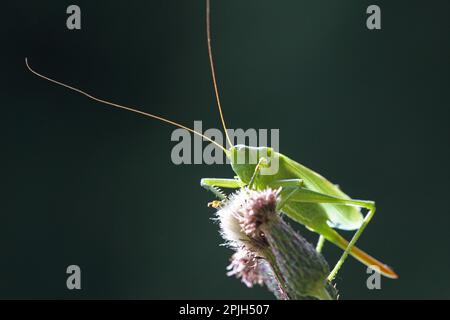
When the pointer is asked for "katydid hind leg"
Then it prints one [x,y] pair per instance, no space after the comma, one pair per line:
[332,236]
[294,192]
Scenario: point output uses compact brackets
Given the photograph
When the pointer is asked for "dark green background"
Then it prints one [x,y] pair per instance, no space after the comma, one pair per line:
[89,185]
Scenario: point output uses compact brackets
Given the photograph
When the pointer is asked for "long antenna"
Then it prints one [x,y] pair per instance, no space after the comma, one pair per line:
[213,72]
[123,107]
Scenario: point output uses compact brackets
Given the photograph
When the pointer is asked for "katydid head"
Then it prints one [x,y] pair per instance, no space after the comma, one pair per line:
[244,160]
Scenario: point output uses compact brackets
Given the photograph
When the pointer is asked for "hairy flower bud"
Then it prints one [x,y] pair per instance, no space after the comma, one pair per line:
[246,266]
[268,249]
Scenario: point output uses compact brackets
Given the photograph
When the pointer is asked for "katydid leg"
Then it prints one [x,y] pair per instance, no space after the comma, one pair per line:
[257,171]
[295,193]
[320,243]
[212,184]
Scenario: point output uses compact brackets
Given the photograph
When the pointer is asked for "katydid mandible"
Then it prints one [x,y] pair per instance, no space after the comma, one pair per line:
[306,197]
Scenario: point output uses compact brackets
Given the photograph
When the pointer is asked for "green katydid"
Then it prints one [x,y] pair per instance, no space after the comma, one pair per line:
[306,197]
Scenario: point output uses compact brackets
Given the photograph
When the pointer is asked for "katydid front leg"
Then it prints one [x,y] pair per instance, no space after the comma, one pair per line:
[212,184]
[257,171]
